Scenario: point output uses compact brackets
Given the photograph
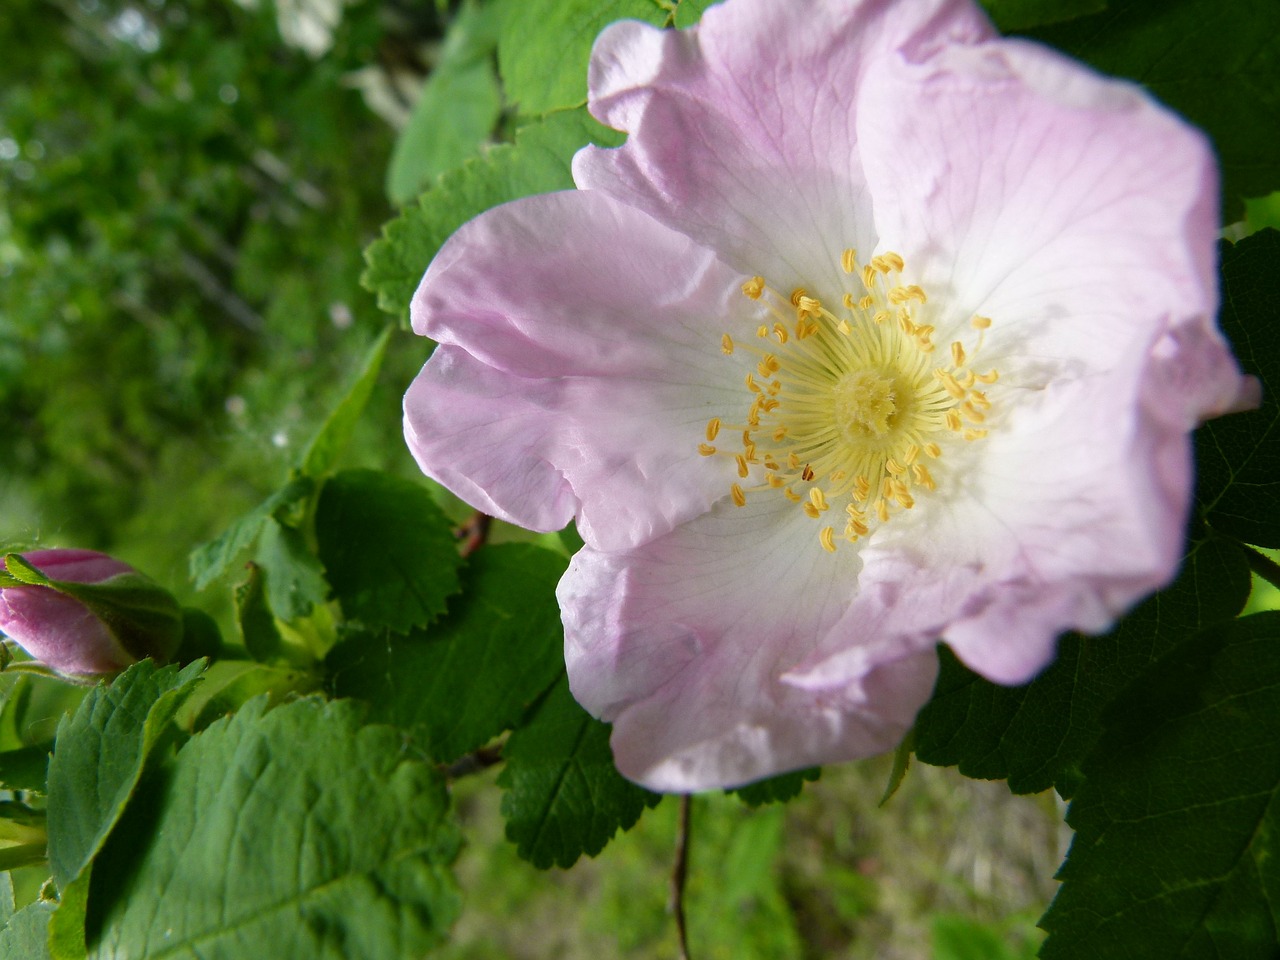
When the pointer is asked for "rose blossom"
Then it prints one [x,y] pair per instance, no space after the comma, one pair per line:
[879,330]
[101,632]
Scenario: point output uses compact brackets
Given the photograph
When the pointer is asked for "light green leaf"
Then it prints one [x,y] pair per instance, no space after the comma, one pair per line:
[26,935]
[544,46]
[293,575]
[388,550]
[333,436]
[474,673]
[210,559]
[99,757]
[229,684]
[7,904]
[564,797]
[689,12]
[1178,821]
[298,832]
[538,162]
[66,927]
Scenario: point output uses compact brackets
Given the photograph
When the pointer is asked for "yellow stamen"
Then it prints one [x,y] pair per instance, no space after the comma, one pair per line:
[706,449]
[739,498]
[713,428]
[754,287]
[849,260]
[827,538]
[726,344]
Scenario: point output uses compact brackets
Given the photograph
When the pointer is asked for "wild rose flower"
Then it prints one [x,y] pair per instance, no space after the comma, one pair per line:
[117,618]
[879,330]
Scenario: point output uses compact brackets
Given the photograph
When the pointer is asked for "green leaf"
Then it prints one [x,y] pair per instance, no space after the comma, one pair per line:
[388,550]
[229,684]
[776,789]
[1216,63]
[293,575]
[1238,456]
[473,674]
[298,832]
[544,46]
[1178,822]
[24,769]
[26,935]
[457,109]
[253,616]
[689,12]
[7,904]
[1009,15]
[564,797]
[333,436]
[1037,735]
[538,162]
[99,758]
[66,927]
[210,559]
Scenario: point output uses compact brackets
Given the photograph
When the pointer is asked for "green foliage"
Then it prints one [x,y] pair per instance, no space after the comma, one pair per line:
[960,938]
[564,797]
[335,433]
[544,46]
[388,550]
[1238,457]
[538,162]
[475,672]
[1037,735]
[1217,64]
[689,12]
[298,827]
[295,582]
[26,935]
[776,789]
[100,756]
[1010,15]
[211,559]
[1178,820]
[253,615]
[24,769]
[457,109]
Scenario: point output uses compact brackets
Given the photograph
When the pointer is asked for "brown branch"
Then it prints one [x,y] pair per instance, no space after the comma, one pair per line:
[474,762]
[680,873]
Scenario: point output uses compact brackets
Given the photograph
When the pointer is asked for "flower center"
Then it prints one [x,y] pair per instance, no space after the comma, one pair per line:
[847,410]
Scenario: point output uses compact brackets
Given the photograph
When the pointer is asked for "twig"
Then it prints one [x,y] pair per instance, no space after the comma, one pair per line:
[1263,565]
[474,533]
[474,762]
[680,873]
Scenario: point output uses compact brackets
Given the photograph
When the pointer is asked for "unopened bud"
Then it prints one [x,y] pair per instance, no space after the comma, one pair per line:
[84,613]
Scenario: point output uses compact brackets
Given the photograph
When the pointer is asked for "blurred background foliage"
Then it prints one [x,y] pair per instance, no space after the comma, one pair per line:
[186,187]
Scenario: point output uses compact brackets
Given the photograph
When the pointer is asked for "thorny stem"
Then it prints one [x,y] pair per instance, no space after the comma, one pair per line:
[1263,565]
[680,872]
[474,532]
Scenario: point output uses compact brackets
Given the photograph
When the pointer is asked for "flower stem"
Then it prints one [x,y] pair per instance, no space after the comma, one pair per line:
[680,873]
[1262,565]
[474,533]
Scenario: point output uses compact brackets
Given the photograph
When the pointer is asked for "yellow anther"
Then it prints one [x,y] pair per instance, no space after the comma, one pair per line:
[827,538]
[810,510]
[809,306]
[743,470]
[933,450]
[843,327]
[780,332]
[905,500]
[750,383]
[894,467]
[726,344]
[739,498]
[762,331]
[706,449]
[923,477]
[780,434]
[869,277]
[792,495]
[775,387]
[817,498]
[768,365]
[881,264]
[967,379]
[713,428]
[796,294]
[848,301]
[746,437]
[856,528]
[909,455]
[861,487]
[904,321]
[793,461]
[972,412]
[837,476]
[979,400]
[754,287]
[768,404]
[893,260]
[849,260]
[882,511]
[949,384]
[957,353]
[750,453]
[953,420]
[924,344]
[771,463]
[880,316]
[991,376]
[972,434]
[866,302]
[774,480]
[980,323]
[886,488]
[925,330]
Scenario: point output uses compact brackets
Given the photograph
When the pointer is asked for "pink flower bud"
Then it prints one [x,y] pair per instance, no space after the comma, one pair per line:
[89,614]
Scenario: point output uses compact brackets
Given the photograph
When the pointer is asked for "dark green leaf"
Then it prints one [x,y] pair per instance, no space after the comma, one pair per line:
[1037,735]
[24,769]
[564,797]
[1178,821]
[473,674]
[253,616]
[1216,63]
[388,550]
[210,559]
[200,636]
[295,833]
[100,755]
[293,575]
[322,453]
[544,46]
[1238,456]
[538,162]
[1011,15]
[776,789]
[26,935]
